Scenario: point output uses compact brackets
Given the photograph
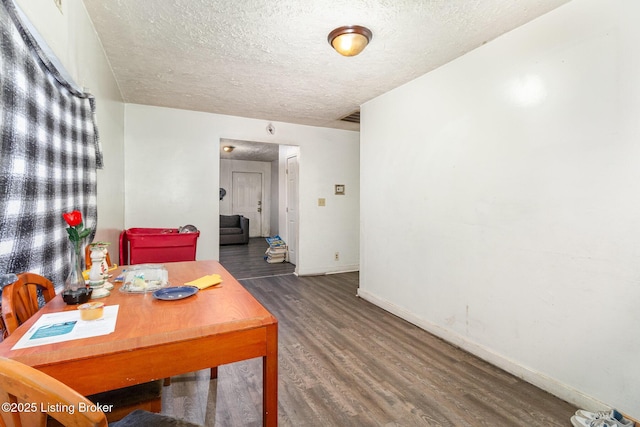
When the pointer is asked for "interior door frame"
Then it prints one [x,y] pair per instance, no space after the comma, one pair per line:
[293,242]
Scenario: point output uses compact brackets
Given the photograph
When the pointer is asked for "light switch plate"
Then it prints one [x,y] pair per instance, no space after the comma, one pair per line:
[339,189]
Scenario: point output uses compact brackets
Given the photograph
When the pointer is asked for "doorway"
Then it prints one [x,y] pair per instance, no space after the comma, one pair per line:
[260,181]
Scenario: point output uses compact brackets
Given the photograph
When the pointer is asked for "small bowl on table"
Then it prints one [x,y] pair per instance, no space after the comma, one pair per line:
[91,310]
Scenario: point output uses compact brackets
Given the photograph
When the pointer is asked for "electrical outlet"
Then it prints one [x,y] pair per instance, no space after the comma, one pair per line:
[322,202]
[337,256]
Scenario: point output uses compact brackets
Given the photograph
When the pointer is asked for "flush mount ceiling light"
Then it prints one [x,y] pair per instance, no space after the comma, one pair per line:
[350,40]
[228,148]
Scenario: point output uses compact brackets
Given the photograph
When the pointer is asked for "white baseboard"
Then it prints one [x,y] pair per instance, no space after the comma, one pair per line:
[551,385]
[347,270]
[334,270]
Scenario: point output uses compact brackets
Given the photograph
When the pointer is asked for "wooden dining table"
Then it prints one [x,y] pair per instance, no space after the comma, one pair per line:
[156,339]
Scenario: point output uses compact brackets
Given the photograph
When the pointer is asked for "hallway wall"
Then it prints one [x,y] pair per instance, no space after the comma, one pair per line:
[500,204]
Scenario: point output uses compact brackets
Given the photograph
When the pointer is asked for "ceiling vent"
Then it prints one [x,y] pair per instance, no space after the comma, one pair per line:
[352,118]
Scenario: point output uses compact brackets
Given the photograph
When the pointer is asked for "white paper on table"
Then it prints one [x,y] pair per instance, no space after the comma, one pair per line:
[66,326]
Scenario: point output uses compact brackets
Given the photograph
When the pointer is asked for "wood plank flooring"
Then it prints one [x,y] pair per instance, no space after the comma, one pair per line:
[247,261]
[346,362]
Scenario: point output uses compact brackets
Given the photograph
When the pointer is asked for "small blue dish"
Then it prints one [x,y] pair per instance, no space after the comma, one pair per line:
[175,293]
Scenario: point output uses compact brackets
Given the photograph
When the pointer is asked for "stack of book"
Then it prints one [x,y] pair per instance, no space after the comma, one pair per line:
[277,251]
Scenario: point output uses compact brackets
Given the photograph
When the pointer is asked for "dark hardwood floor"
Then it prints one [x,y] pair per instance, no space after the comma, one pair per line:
[346,362]
[247,261]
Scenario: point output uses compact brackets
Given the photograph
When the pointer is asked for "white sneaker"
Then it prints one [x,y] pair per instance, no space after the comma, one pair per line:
[611,418]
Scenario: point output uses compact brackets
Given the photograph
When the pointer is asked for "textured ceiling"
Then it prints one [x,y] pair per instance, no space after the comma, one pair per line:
[249,150]
[269,59]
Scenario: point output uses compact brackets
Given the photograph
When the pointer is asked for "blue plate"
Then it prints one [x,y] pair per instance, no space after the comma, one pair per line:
[177,292]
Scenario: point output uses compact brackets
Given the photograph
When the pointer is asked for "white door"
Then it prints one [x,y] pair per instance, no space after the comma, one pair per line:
[292,208]
[247,199]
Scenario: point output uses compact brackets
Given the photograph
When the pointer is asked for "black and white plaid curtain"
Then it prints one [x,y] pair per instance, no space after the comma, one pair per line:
[48,157]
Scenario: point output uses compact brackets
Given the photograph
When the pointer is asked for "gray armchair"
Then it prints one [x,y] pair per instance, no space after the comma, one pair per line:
[234,230]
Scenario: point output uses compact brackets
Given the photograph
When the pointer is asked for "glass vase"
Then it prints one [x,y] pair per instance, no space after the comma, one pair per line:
[74,279]
[75,289]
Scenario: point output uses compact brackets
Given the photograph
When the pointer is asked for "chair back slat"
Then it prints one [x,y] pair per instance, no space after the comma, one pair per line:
[20,299]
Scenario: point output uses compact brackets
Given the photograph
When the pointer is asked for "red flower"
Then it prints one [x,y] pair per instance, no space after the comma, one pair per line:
[76,229]
[73,218]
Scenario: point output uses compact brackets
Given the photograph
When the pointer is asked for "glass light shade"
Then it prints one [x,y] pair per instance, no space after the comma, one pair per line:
[350,41]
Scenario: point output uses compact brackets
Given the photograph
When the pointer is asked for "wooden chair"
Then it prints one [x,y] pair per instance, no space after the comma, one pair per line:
[20,302]
[30,395]
[20,299]
[31,398]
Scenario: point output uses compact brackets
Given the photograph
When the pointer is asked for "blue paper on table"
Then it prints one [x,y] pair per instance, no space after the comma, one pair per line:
[47,331]
[275,241]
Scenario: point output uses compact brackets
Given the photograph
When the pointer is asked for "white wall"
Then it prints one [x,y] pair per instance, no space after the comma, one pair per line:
[500,202]
[72,38]
[172,177]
